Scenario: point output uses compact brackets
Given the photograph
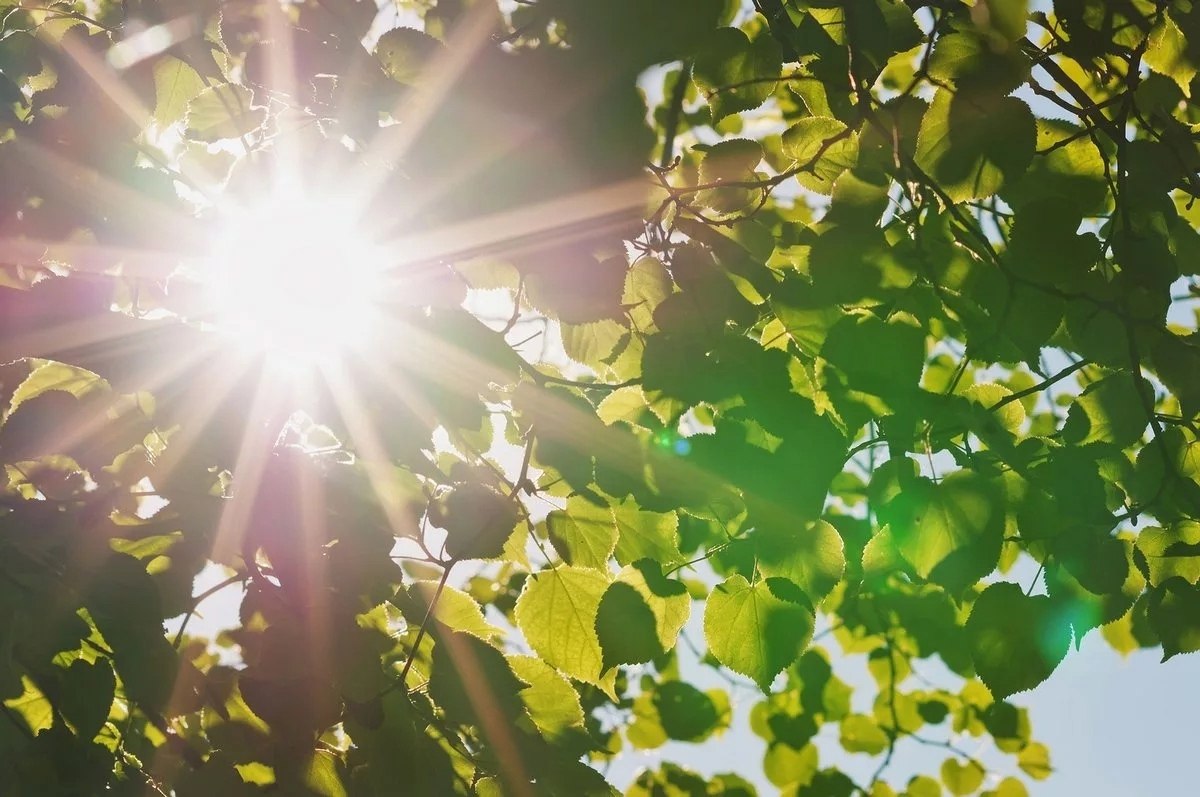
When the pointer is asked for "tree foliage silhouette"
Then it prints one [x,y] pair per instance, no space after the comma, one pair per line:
[866,308]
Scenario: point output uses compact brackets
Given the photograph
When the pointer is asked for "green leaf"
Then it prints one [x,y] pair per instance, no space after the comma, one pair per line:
[176,84]
[972,145]
[823,148]
[645,535]
[812,556]
[1168,53]
[47,376]
[125,605]
[557,614]
[962,779]
[1110,411]
[86,694]
[973,63]
[1011,416]
[1173,552]
[1174,613]
[647,285]
[478,521]
[757,629]
[552,703]
[1044,246]
[1068,170]
[405,52]
[641,614]
[455,609]
[860,734]
[1004,18]
[1177,362]
[1094,580]
[786,766]
[147,548]
[591,343]
[734,160]
[1009,787]
[950,532]
[584,534]
[1034,761]
[877,356]
[923,786]
[321,775]
[221,112]
[32,706]
[734,72]
[685,713]
[645,731]
[627,404]
[471,681]
[828,783]
[806,319]
[1016,640]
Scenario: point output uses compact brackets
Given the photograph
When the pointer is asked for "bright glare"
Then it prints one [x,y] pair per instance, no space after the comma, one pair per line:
[296,278]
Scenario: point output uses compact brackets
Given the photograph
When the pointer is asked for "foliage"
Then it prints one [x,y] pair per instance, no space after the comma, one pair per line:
[890,355]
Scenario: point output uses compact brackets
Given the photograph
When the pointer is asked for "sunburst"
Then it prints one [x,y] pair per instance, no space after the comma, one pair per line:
[295,278]
[291,275]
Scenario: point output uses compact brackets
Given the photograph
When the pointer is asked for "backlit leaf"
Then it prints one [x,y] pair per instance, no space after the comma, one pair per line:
[812,556]
[734,72]
[1169,54]
[552,702]
[974,145]
[1016,640]
[1173,552]
[757,629]
[950,532]
[822,148]
[641,614]
[557,613]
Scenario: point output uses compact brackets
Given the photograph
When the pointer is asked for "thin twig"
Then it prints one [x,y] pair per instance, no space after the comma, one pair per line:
[437,594]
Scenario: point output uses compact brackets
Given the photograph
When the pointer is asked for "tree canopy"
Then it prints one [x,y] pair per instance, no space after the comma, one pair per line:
[712,345]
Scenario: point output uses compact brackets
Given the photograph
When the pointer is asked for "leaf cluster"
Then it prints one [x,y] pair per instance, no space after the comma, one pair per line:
[892,355]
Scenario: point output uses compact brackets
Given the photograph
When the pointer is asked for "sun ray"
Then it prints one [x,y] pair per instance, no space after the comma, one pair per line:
[264,422]
[69,435]
[419,105]
[282,79]
[195,410]
[369,447]
[526,228]
[107,79]
[105,75]
[493,723]
[87,257]
[87,188]
[107,336]
[310,549]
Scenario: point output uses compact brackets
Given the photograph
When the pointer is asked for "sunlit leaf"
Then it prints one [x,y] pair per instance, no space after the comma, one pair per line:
[757,629]
[974,145]
[552,702]
[641,614]
[557,613]
[811,555]
[1169,53]
[731,70]
[1016,640]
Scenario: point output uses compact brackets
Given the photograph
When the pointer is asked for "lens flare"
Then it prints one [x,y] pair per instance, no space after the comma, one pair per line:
[296,279]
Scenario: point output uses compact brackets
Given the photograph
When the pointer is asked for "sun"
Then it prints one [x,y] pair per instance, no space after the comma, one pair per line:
[295,278]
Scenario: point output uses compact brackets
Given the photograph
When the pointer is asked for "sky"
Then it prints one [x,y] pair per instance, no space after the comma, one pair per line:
[1115,727]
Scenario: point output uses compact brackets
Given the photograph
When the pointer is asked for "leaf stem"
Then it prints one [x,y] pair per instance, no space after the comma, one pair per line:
[208,593]
[437,594]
